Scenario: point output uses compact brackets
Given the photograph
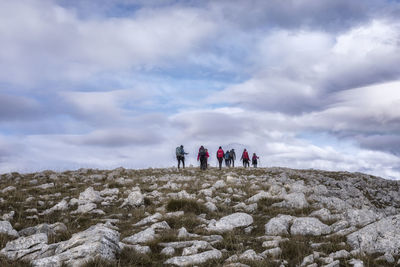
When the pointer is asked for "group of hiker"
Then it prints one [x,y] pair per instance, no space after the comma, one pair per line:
[228,156]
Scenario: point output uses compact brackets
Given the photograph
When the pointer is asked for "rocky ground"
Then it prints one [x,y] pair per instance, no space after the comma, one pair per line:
[234,217]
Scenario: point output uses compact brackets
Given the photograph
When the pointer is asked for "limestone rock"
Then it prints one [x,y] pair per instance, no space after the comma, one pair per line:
[26,248]
[250,255]
[278,225]
[48,229]
[150,219]
[230,222]
[195,259]
[63,205]
[309,226]
[293,201]
[142,237]
[134,199]
[168,251]
[356,263]
[96,241]
[257,197]
[90,195]
[379,237]
[6,228]
[203,245]
[360,217]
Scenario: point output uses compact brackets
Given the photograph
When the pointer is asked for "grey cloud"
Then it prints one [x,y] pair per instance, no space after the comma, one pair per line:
[52,41]
[326,15]
[117,138]
[382,142]
[18,108]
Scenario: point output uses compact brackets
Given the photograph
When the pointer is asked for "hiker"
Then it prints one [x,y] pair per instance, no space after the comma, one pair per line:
[254,160]
[245,158]
[220,156]
[180,156]
[232,157]
[227,158]
[202,156]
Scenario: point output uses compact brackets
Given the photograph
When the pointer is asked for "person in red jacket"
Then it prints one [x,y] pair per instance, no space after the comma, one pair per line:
[245,158]
[220,156]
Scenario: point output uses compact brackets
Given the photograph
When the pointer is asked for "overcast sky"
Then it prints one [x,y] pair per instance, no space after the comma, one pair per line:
[102,84]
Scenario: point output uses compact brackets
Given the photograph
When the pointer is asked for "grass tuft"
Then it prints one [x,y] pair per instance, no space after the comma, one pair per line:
[186,205]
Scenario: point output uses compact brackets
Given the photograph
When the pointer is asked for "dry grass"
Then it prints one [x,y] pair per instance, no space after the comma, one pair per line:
[295,250]
[186,205]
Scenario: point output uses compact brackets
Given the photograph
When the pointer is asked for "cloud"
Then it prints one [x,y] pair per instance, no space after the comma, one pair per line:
[18,108]
[41,40]
[116,137]
[327,15]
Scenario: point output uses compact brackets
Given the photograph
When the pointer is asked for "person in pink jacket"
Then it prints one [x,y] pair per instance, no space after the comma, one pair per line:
[220,157]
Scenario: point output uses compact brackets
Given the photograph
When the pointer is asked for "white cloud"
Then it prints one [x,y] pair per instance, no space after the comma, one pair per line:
[43,41]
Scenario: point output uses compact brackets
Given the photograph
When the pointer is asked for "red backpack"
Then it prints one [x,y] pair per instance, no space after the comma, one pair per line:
[220,153]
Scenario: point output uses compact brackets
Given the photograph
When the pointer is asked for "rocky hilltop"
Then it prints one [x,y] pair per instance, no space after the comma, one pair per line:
[169,217]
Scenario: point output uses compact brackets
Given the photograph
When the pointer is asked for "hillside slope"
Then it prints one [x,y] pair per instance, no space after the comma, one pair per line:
[233,217]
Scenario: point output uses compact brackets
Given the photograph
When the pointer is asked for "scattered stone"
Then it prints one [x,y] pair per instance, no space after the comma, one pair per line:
[96,241]
[150,219]
[6,228]
[360,217]
[63,205]
[293,201]
[85,208]
[168,251]
[272,252]
[333,264]
[356,263]
[8,189]
[211,206]
[90,195]
[342,254]
[309,226]
[230,222]
[45,186]
[195,259]
[137,248]
[26,248]
[203,245]
[142,237]
[379,237]
[48,229]
[250,255]
[257,197]
[307,260]
[8,216]
[279,225]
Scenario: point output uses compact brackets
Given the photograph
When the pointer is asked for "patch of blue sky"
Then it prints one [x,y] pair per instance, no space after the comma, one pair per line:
[324,139]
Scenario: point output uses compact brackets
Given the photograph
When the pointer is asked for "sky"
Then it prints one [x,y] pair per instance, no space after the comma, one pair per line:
[103,84]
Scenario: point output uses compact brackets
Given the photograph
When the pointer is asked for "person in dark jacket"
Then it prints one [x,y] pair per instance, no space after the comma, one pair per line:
[227,159]
[232,157]
[180,156]
[220,156]
[202,156]
[254,160]
[245,158]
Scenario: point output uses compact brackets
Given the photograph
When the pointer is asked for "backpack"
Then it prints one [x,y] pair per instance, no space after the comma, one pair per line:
[220,153]
[202,152]
[179,151]
[227,155]
[231,153]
